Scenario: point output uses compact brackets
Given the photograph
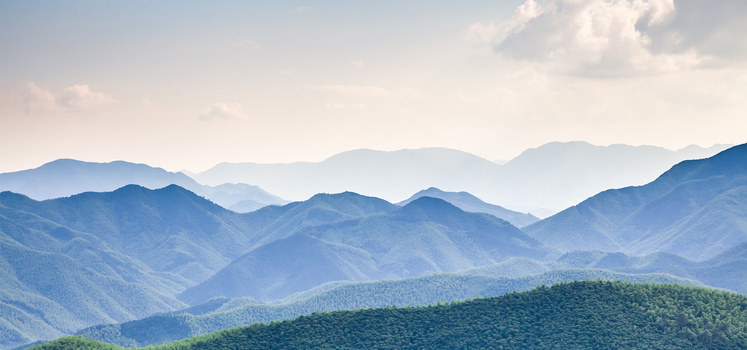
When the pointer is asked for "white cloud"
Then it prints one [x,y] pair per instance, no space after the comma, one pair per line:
[302,9]
[479,33]
[367,91]
[620,37]
[223,111]
[146,101]
[82,96]
[36,98]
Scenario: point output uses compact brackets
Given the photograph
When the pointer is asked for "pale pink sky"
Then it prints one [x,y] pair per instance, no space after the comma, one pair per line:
[186,86]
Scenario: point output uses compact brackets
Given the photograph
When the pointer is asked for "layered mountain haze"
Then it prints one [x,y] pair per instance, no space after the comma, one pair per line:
[111,257]
[541,180]
[387,175]
[66,177]
[697,209]
[470,203]
[561,174]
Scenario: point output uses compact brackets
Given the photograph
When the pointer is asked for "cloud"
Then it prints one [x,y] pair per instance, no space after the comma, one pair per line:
[620,37]
[38,99]
[478,33]
[223,111]
[82,96]
[35,98]
[302,9]
[366,91]
[713,28]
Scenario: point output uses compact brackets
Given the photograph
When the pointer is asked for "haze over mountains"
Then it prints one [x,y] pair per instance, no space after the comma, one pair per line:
[696,209]
[541,180]
[109,257]
[66,177]
[470,203]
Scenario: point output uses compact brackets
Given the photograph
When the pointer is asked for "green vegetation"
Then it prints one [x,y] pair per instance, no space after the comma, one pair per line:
[582,315]
[405,292]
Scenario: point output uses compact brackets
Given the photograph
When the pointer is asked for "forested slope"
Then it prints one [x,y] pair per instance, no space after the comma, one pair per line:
[588,315]
[405,292]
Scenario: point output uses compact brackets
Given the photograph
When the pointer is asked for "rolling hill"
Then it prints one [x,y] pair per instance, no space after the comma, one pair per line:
[418,291]
[589,314]
[426,236]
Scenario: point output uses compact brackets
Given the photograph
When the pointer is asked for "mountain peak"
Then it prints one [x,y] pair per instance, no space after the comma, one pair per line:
[430,207]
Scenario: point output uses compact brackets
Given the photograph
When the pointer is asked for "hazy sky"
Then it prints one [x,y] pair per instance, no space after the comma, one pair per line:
[188,84]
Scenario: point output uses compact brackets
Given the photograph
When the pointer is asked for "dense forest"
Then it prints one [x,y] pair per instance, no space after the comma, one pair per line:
[219,314]
[590,314]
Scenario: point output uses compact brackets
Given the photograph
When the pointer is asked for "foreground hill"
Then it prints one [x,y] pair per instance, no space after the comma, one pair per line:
[591,315]
[219,314]
[424,237]
[67,177]
[470,203]
[697,209]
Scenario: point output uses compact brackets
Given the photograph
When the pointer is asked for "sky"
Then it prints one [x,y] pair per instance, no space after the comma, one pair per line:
[189,84]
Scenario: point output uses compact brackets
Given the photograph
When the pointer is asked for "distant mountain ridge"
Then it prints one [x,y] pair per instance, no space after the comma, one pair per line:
[470,203]
[67,177]
[697,209]
[541,180]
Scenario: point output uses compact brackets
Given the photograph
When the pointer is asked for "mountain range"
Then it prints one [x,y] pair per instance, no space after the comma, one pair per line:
[424,237]
[470,203]
[67,177]
[111,257]
[541,180]
[103,257]
[697,209]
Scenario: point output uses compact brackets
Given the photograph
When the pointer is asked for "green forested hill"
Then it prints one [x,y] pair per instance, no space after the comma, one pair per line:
[404,292]
[576,315]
